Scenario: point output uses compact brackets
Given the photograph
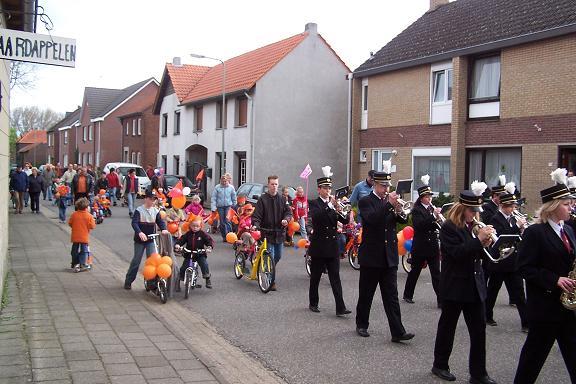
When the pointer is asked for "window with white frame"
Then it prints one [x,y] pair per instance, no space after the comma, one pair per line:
[363,155]
[139,126]
[139,158]
[66,138]
[176,122]
[164,125]
[65,159]
[127,128]
[434,162]
[126,154]
[176,165]
[364,117]
[378,156]
[441,93]
[84,133]
[90,132]
[49,140]
[442,86]
[488,164]
[133,157]
[89,158]
[165,162]
[133,127]
[484,87]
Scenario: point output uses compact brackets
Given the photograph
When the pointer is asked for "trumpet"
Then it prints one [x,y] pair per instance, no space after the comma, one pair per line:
[344,207]
[503,253]
[520,216]
[403,208]
[440,219]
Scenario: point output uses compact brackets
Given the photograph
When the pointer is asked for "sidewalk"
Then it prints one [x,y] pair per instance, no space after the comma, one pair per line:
[65,327]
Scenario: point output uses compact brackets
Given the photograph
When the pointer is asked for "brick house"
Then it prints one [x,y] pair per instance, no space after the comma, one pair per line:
[99,135]
[32,148]
[285,107]
[54,135]
[471,90]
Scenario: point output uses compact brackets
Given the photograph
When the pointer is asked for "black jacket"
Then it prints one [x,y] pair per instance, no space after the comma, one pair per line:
[101,184]
[502,227]
[542,259]
[324,222]
[379,246]
[195,240]
[489,209]
[268,215]
[155,183]
[89,183]
[127,186]
[35,184]
[425,243]
[462,277]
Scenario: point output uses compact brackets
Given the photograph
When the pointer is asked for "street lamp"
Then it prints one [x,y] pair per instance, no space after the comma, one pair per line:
[223,111]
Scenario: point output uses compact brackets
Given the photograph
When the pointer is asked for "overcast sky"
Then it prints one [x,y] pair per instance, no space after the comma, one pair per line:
[122,42]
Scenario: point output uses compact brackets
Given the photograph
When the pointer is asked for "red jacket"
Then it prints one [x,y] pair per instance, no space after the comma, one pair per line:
[113,181]
[300,207]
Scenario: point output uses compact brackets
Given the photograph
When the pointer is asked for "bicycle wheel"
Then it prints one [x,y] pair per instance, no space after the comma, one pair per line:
[239,264]
[187,282]
[266,272]
[353,258]
[406,262]
[162,291]
[308,261]
[193,277]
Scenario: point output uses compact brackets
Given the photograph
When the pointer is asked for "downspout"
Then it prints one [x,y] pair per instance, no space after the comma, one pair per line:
[349,131]
[252,129]
[99,143]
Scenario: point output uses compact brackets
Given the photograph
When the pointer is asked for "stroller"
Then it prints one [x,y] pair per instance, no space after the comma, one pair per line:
[97,212]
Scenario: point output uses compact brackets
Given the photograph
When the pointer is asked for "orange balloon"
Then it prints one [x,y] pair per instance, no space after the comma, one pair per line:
[166,260]
[164,271]
[154,259]
[163,215]
[149,272]
[150,261]
[302,243]
[172,227]
[294,226]
[185,227]
[231,237]
[178,201]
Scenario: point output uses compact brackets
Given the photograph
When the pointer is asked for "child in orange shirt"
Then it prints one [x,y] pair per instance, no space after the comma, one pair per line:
[81,222]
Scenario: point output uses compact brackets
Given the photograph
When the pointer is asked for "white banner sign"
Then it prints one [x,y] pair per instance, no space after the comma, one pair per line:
[34,48]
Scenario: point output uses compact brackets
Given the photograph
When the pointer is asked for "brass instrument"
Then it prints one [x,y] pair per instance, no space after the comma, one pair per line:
[519,215]
[504,252]
[440,219]
[344,208]
[568,300]
[403,208]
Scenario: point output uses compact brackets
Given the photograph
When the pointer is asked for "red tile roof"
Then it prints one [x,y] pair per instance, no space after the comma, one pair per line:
[33,136]
[242,72]
[185,77]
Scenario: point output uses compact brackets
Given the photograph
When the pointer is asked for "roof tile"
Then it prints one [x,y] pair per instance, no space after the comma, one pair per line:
[185,77]
[33,136]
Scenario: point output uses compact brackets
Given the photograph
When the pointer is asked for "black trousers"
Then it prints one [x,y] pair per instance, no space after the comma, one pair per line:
[317,266]
[370,278]
[474,317]
[515,287]
[412,279]
[541,337]
[35,201]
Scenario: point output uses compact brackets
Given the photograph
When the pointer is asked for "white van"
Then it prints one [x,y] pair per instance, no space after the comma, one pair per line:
[143,179]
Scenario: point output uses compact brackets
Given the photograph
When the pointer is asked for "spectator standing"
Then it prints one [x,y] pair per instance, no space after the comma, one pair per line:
[35,187]
[223,197]
[300,210]
[48,175]
[130,189]
[113,185]
[19,184]
[82,184]
[81,222]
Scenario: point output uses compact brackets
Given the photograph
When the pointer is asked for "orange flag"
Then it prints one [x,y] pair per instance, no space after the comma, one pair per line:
[200,174]
[177,190]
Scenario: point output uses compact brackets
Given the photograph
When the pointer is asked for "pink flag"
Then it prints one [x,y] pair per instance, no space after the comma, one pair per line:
[306,172]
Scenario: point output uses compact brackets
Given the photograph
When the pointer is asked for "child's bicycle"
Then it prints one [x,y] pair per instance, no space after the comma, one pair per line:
[263,268]
[351,249]
[158,285]
[191,274]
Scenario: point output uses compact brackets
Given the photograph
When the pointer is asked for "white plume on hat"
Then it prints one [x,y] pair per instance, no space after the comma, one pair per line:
[326,171]
[559,175]
[510,187]
[425,179]
[387,166]
[572,182]
[478,187]
[502,179]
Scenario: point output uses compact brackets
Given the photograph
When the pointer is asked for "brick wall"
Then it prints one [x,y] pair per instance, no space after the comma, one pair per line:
[539,78]
[358,170]
[536,172]
[459,128]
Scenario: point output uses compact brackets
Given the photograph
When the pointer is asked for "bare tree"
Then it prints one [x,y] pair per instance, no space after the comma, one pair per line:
[24,119]
[22,75]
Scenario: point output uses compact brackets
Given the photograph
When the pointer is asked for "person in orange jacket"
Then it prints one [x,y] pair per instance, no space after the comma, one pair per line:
[81,222]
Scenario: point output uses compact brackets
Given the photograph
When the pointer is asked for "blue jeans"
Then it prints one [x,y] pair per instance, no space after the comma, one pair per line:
[62,209]
[275,251]
[139,249]
[202,263]
[225,225]
[131,199]
[112,193]
[79,253]
[48,193]
[303,233]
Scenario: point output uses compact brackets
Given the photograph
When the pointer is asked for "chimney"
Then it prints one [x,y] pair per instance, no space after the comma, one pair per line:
[436,3]
[311,28]
[177,62]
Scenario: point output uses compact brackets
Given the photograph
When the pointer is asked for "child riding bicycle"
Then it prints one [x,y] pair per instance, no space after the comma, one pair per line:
[194,240]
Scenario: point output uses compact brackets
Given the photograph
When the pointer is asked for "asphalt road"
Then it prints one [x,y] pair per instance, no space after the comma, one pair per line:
[305,347]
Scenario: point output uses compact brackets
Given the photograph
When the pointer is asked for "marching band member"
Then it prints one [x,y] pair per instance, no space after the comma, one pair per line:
[462,286]
[572,186]
[546,257]
[323,250]
[490,208]
[425,247]
[378,256]
[506,271]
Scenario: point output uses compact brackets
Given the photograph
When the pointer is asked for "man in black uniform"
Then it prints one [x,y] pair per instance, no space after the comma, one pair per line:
[378,257]
[425,247]
[323,250]
[506,271]
[490,207]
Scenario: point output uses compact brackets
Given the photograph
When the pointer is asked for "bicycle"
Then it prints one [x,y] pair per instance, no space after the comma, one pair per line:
[191,274]
[352,245]
[243,253]
[263,268]
[158,285]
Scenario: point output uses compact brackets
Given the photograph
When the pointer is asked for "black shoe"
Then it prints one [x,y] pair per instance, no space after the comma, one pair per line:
[525,329]
[491,322]
[313,308]
[362,332]
[344,312]
[114,205]
[208,283]
[130,214]
[444,374]
[482,380]
[408,300]
[406,336]
[127,286]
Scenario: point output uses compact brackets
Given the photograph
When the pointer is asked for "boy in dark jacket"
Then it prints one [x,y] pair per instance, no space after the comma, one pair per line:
[19,184]
[194,240]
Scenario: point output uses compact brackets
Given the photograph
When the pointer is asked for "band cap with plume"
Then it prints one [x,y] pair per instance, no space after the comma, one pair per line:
[560,190]
[425,188]
[501,183]
[385,176]
[509,197]
[326,180]
[572,184]
[473,198]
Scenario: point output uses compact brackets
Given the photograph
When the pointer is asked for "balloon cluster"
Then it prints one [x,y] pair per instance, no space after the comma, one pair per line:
[405,237]
[157,265]
[178,195]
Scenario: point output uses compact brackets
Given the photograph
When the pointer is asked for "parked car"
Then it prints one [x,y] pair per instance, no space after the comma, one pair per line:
[123,168]
[171,181]
[253,191]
